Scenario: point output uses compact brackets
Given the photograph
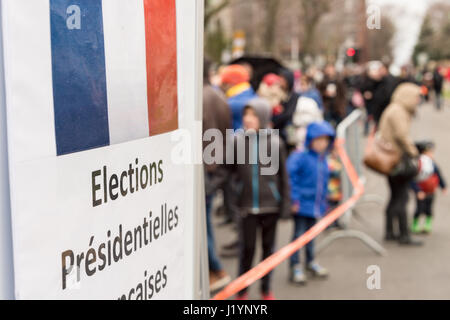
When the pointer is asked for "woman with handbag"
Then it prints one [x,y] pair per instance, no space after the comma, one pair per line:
[394,131]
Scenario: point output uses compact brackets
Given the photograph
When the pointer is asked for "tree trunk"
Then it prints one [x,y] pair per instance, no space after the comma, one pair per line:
[271,8]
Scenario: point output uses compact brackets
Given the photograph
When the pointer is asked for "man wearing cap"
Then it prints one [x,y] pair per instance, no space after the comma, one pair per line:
[235,84]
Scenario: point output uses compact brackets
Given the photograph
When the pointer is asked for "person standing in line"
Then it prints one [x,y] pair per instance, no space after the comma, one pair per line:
[384,95]
[334,94]
[271,89]
[425,187]
[263,197]
[235,82]
[335,195]
[377,89]
[394,130]
[306,112]
[309,176]
[438,84]
[216,115]
[308,90]
[283,119]
[236,85]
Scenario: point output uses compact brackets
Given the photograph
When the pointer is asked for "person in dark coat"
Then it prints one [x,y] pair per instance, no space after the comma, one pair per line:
[438,83]
[282,120]
[235,83]
[334,94]
[378,88]
[384,94]
[216,115]
[263,195]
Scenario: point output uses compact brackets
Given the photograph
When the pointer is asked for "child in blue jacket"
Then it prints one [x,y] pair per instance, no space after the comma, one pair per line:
[309,176]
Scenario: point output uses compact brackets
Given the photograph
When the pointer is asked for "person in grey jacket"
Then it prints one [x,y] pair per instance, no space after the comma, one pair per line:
[263,186]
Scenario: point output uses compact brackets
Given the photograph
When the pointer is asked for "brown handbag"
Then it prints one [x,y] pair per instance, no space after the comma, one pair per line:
[380,155]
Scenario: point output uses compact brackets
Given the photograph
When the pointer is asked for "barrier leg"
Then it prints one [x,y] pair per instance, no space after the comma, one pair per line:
[371,198]
[365,199]
[355,234]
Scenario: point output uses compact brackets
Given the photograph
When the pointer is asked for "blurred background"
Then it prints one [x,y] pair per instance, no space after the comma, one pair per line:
[349,57]
[302,33]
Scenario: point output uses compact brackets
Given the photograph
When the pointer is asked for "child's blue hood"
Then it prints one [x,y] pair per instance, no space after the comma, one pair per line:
[319,129]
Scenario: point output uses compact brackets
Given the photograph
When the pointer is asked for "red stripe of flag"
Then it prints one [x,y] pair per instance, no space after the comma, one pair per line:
[161,43]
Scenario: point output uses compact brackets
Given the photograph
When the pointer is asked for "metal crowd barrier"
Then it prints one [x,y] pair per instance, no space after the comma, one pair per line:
[357,191]
[351,132]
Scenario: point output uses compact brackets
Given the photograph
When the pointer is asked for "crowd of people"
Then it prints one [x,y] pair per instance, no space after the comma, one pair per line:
[301,111]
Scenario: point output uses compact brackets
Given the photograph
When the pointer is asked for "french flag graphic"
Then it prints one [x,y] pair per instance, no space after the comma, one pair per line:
[113,71]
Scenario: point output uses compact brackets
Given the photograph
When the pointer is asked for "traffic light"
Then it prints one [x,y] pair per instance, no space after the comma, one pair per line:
[351,52]
[353,55]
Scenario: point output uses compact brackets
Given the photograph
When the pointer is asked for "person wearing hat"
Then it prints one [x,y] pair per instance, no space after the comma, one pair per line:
[235,83]
[309,177]
[263,196]
[394,130]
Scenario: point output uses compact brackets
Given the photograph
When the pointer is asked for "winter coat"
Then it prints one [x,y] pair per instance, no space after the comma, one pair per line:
[432,179]
[336,105]
[396,120]
[282,120]
[381,92]
[258,193]
[238,97]
[306,112]
[309,174]
[438,81]
[216,115]
[388,86]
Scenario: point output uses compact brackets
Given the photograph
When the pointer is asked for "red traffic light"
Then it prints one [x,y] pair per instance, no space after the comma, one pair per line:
[351,52]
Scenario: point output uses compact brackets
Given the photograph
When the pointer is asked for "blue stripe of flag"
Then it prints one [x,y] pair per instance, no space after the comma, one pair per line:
[79,75]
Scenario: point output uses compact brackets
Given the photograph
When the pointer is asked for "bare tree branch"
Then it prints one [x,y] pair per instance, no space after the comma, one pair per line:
[211,11]
[271,8]
[313,10]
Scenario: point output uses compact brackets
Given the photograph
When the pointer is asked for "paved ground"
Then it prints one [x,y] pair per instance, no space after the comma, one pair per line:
[406,273]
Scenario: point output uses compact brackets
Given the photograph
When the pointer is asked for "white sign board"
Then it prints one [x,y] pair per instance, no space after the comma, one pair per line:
[6,257]
[96,91]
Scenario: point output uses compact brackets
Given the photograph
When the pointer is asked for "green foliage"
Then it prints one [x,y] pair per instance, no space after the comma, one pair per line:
[435,42]
[445,41]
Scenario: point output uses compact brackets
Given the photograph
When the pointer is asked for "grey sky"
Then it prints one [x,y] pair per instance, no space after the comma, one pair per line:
[407,16]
